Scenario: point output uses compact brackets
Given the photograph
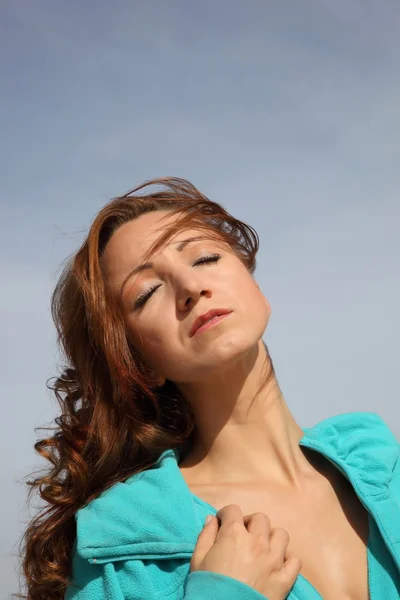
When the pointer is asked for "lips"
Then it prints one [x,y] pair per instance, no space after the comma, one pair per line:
[207,316]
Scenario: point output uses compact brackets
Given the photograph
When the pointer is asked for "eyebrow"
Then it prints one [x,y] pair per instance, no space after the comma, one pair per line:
[181,246]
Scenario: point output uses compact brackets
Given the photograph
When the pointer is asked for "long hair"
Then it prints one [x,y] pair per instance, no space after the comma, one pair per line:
[113,421]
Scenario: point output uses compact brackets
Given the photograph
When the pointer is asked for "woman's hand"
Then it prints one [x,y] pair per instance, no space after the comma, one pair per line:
[247,549]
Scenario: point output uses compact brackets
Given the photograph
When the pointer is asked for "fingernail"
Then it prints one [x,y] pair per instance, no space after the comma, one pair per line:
[208,518]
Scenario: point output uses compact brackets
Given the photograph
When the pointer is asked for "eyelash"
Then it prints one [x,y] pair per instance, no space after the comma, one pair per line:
[142,299]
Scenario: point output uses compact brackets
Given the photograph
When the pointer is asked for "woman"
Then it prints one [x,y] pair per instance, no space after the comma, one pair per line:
[171,412]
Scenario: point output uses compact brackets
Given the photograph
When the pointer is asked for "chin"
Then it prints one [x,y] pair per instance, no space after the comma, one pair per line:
[231,346]
[217,352]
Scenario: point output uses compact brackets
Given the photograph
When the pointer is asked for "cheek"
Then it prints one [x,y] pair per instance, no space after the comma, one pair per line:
[246,288]
[253,301]
[151,336]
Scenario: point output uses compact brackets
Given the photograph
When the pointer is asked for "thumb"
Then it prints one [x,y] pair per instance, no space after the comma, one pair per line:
[204,543]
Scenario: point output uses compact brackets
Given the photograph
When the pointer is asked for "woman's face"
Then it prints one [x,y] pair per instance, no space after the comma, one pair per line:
[161,302]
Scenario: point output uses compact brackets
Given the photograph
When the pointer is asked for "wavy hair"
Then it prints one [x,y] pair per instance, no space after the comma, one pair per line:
[113,421]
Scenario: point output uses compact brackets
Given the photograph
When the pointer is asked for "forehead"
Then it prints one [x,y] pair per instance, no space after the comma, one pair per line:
[138,235]
[131,241]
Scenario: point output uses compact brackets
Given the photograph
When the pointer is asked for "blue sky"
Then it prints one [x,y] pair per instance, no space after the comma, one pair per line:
[285,112]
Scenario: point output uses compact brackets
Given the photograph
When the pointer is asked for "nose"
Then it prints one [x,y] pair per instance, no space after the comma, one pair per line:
[189,293]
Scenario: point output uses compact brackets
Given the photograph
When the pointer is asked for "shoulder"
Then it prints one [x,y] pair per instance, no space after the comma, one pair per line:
[137,535]
[348,428]
[360,443]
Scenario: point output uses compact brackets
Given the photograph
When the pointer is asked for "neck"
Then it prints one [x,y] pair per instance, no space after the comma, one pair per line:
[244,429]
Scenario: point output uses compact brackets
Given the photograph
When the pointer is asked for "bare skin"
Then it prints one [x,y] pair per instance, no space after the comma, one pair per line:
[327,525]
[246,451]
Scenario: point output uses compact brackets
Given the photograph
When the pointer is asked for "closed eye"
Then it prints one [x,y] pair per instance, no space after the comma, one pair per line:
[207,259]
[142,299]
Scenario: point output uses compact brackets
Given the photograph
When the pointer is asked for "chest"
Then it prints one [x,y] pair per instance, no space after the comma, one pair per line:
[328,529]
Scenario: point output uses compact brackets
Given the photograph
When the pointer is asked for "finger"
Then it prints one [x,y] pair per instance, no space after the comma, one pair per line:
[229,514]
[292,567]
[257,524]
[205,542]
[279,540]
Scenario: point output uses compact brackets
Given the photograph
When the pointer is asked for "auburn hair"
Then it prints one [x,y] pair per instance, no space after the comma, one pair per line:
[113,421]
